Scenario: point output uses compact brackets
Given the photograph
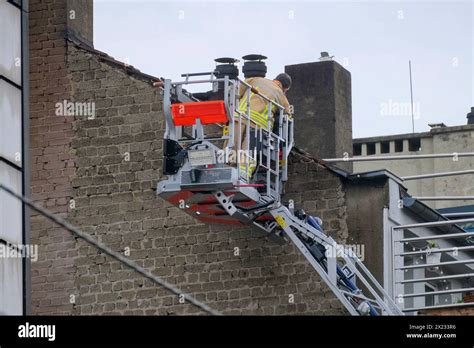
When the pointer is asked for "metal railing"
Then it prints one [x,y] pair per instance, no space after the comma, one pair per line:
[399,157]
[272,146]
[437,175]
[444,198]
[431,270]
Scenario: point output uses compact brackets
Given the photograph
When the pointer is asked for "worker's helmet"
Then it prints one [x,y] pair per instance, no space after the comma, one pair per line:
[284,79]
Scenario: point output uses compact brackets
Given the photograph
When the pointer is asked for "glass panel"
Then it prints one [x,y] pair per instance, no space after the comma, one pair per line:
[11,293]
[10,41]
[10,207]
[10,122]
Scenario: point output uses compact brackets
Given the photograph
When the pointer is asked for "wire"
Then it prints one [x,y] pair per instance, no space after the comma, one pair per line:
[119,257]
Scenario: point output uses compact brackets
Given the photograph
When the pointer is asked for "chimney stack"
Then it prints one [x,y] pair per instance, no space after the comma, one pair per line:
[321,97]
[80,23]
[470,116]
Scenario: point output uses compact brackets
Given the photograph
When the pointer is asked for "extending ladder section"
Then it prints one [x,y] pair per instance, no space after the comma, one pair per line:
[338,267]
[214,187]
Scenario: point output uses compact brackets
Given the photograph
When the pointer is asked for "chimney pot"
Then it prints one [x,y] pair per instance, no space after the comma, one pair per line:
[470,116]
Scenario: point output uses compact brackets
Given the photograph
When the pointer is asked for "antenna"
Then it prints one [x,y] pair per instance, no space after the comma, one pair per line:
[411,95]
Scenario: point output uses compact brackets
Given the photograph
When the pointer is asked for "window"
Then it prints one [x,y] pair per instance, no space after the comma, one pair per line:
[10,122]
[10,42]
[370,149]
[357,149]
[11,230]
[399,145]
[12,99]
[414,144]
[385,146]
[10,207]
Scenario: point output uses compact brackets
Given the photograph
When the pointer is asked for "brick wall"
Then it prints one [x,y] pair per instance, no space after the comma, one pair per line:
[118,166]
[52,160]
[101,174]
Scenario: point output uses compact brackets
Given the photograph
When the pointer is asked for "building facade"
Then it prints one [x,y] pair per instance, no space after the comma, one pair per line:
[95,137]
[14,164]
[99,170]
[439,140]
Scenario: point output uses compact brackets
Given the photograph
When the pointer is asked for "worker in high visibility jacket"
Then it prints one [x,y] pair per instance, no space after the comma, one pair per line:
[275,90]
[272,89]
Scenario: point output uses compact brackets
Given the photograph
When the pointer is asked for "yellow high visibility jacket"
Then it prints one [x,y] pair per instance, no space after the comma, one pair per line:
[258,105]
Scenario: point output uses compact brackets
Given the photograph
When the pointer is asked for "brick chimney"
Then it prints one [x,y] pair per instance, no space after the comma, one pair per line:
[470,116]
[321,97]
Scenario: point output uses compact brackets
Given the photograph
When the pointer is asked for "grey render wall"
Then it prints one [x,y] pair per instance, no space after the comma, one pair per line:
[80,19]
[116,168]
[365,221]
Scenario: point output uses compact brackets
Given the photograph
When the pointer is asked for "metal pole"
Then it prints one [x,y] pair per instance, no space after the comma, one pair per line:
[198,74]
[448,215]
[197,81]
[433,251]
[445,198]
[433,224]
[436,175]
[170,131]
[277,168]
[269,140]
[247,135]
[441,292]
[231,126]
[422,280]
[439,236]
[402,157]
[411,95]
[451,305]
[427,265]
[285,153]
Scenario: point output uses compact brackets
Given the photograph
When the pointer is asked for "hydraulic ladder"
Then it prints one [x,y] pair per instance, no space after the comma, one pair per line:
[213,187]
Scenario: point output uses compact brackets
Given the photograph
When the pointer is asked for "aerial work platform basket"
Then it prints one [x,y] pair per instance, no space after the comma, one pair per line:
[208,148]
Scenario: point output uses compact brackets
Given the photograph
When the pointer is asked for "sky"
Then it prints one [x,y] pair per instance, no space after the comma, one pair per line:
[374,40]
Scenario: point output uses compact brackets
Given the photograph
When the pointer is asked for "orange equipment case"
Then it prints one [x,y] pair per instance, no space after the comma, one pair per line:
[185,114]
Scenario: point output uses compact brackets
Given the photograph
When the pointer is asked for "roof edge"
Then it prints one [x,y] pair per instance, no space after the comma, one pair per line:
[80,43]
[302,153]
